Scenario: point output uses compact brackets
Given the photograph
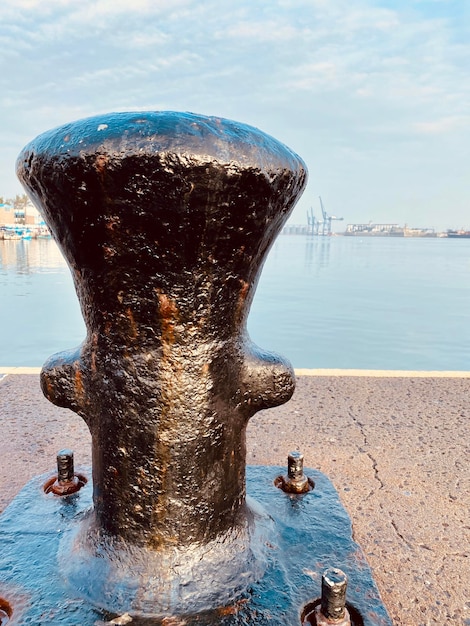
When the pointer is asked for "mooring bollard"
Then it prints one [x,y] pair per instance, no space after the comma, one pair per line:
[165,220]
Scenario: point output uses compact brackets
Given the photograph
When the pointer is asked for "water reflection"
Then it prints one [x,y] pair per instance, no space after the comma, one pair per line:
[376,302]
[30,256]
[39,312]
[371,303]
[317,252]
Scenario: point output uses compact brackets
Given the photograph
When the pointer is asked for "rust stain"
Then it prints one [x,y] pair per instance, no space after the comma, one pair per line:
[112,223]
[79,395]
[241,251]
[169,315]
[94,343]
[244,291]
[134,331]
[245,286]
[173,621]
[109,251]
[17,604]
[78,385]
[101,162]
[49,387]
[232,609]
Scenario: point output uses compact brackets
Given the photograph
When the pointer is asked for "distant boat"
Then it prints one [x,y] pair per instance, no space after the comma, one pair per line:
[11,235]
[25,233]
[458,234]
[43,233]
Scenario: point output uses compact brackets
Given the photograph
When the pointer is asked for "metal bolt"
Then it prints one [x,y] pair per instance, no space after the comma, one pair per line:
[65,469]
[66,482]
[295,465]
[332,609]
[296,481]
[5,611]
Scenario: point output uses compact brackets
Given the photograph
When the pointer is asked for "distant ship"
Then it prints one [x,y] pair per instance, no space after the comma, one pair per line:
[458,234]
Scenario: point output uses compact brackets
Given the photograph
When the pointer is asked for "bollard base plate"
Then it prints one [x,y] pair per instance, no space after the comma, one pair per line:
[311,532]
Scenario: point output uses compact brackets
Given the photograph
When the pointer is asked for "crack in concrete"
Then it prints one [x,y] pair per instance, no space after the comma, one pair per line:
[377,477]
[398,533]
[370,456]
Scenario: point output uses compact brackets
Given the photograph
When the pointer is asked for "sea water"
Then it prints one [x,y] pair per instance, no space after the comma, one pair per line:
[323,302]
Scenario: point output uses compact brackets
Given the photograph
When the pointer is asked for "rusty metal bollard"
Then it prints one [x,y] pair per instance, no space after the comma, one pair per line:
[165,220]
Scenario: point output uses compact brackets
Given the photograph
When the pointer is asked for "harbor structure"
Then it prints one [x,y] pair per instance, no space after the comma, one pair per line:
[387,230]
[7,213]
[19,219]
[368,230]
[321,227]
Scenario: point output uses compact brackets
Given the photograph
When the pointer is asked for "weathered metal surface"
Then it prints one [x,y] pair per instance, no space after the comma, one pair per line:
[165,220]
[304,535]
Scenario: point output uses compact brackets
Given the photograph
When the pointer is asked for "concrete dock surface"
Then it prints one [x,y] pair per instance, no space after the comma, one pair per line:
[395,445]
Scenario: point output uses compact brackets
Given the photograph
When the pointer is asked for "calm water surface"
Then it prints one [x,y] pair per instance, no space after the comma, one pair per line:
[339,302]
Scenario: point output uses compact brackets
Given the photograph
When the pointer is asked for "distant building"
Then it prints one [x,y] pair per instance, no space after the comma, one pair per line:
[7,215]
[387,230]
[374,229]
[20,216]
[296,229]
[32,217]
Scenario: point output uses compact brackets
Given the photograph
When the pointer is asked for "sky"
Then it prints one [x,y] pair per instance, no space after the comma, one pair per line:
[374,95]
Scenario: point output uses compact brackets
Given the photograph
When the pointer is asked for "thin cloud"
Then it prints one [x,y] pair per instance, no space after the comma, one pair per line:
[269,31]
[443,125]
[331,78]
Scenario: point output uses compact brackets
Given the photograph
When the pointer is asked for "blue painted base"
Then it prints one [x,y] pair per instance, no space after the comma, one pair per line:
[310,533]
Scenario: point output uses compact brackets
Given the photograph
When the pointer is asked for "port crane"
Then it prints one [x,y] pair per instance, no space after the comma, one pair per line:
[327,219]
[314,224]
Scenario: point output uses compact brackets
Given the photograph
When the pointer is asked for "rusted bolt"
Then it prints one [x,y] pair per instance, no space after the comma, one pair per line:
[295,481]
[65,467]
[295,468]
[67,482]
[332,609]
[6,612]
